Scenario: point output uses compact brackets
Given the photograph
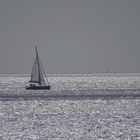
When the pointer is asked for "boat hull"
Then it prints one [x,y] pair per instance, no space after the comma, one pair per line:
[38,88]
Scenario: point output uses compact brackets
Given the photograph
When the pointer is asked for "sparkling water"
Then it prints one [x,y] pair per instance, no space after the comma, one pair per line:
[80,107]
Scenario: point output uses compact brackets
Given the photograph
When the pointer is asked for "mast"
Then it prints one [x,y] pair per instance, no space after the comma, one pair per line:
[38,65]
[38,74]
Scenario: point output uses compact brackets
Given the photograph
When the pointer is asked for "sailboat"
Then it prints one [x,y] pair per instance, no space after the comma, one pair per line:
[38,79]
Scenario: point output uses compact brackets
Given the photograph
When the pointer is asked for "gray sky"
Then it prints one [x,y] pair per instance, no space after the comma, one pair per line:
[81,36]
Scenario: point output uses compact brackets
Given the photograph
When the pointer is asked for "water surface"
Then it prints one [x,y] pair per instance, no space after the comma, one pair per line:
[78,107]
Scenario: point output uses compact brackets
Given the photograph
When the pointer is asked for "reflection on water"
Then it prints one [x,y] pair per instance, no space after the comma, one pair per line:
[80,107]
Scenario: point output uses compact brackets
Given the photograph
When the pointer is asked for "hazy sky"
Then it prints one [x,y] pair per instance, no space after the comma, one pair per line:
[81,36]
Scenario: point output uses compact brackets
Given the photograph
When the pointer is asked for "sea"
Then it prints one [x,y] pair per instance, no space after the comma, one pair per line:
[78,107]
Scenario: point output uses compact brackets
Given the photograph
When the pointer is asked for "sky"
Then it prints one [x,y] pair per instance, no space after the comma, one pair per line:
[73,36]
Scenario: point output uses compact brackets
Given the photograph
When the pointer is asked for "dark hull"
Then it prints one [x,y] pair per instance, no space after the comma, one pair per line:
[38,88]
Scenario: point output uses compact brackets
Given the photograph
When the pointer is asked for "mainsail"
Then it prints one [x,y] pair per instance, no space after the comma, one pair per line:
[38,75]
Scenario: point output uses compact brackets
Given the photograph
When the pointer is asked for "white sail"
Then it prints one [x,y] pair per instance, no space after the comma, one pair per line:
[42,81]
[35,72]
[38,75]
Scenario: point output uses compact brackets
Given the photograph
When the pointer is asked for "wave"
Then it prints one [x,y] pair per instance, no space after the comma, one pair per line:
[73,95]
